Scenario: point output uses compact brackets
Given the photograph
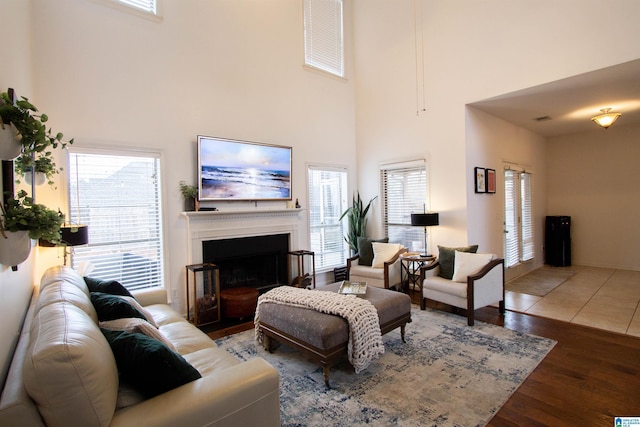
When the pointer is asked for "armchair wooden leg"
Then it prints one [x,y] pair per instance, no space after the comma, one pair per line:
[470,318]
[423,303]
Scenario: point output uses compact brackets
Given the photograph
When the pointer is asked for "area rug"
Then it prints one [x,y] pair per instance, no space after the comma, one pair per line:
[542,280]
[446,374]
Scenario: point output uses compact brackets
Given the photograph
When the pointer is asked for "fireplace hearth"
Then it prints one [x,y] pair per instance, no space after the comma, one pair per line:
[258,262]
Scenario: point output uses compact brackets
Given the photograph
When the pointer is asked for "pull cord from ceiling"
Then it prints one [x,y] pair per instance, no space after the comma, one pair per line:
[418,30]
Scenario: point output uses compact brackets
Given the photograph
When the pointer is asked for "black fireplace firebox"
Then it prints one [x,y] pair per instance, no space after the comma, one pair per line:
[258,261]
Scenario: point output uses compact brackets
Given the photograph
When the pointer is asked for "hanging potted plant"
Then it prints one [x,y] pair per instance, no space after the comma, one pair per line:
[39,170]
[10,146]
[22,221]
[36,140]
[190,195]
[357,216]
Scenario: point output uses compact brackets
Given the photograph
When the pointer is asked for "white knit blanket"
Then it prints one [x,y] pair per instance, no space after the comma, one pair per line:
[365,339]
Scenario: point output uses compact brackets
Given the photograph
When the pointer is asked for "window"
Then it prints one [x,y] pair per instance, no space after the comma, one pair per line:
[404,191]
[327,202]
[518,214]
[118,197]
[323,44]
[145,5]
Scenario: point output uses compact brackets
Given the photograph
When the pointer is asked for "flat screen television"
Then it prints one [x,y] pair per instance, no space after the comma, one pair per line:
[241,170]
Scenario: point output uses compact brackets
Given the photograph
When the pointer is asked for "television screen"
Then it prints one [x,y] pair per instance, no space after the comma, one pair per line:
[239,170]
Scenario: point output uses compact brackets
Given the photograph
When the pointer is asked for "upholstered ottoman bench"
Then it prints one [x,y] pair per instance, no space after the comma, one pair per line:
[324,337]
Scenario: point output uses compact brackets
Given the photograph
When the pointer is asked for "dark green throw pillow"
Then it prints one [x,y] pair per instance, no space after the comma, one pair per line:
[365,250]
[447,257]
[147,364]
[107,286]
[110,307]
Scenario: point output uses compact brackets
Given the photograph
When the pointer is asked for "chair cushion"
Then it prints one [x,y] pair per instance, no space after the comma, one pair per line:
[467,264]
[446,257]
[383,252]
[365,250]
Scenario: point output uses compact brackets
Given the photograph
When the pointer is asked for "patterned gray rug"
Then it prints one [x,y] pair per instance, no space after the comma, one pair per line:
[447,374]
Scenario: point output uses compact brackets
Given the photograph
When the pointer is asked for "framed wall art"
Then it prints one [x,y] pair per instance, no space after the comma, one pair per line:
[481,183]
[490,175]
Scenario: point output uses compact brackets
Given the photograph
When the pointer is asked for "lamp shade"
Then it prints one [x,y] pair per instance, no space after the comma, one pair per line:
[606,119]
[425,219]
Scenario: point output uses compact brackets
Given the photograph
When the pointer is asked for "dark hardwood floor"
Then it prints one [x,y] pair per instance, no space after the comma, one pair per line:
[590,376]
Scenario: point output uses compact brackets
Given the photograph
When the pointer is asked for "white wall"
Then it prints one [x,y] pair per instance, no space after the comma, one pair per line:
[494,143]
[593,177]
[15,286]
[473,50]
[225,68]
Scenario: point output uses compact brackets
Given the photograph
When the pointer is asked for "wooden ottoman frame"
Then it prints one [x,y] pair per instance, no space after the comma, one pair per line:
[330,355]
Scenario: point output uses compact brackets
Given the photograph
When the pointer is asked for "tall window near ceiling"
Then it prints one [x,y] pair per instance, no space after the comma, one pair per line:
[327,202]
[149,6]
[118,196]
[323,35]
[518,223]
[404,191]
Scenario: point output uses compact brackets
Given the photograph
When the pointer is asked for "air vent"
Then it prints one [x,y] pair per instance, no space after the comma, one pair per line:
[542,119]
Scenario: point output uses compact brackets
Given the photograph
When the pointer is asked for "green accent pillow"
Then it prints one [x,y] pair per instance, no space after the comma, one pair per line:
[106,286]
[147,364]
[447,257]
[110,307]
[365,250]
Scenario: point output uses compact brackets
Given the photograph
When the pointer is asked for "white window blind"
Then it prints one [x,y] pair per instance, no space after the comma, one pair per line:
[146,5]
[518,222]
[327,202]
[118,197]
[323,35]
[404,191]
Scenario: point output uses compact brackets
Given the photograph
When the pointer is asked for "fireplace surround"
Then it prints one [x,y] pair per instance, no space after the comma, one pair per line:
[253,225]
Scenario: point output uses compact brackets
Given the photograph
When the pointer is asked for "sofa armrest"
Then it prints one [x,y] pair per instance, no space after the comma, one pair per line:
[392,270]
[245,394]
[429,270]
[151,296]
[487,286]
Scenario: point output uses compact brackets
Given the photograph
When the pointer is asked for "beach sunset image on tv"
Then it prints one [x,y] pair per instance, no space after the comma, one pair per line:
[240,170]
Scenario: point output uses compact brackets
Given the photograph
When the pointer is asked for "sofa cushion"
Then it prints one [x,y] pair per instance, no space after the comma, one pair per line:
[147,364]
[383,252]
[63,291]
[111,307]
[467,264]
[64,274]
[365,250]
[112,287]
[446,258]
[69,369]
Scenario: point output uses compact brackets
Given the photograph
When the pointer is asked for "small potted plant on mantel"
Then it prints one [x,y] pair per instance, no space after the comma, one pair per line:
[190,195]
[23,220]
[29,130]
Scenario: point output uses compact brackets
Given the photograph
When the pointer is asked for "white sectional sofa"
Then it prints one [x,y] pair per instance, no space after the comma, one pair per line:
[63,372]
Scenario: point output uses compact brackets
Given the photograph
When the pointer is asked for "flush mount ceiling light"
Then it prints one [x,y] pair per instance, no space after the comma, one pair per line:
[606,119]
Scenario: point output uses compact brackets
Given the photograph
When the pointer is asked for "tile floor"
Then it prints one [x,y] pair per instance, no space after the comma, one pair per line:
[602,298]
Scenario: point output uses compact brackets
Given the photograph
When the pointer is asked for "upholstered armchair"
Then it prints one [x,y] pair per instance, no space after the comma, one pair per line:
[383,271]
[477,281]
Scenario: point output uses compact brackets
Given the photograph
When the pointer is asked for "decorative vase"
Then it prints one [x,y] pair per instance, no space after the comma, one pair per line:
[38,178]
[9,143]
[191,204]
[15,248]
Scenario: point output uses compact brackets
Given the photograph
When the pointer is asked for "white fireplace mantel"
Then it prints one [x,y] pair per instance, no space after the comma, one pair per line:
[213,225]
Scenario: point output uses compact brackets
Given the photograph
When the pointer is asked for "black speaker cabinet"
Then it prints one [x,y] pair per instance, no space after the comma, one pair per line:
[557,241]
